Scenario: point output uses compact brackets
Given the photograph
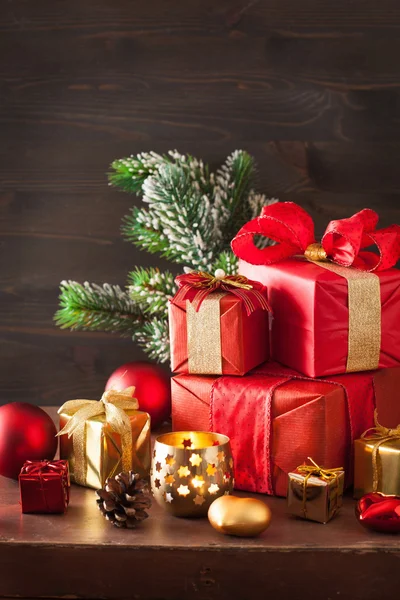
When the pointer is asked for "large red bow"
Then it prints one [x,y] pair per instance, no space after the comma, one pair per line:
[293,229]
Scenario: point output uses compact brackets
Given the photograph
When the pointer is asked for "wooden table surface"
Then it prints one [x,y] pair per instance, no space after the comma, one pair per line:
[80,555]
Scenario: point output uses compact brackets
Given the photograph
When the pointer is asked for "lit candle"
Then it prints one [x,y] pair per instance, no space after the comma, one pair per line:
[190,469]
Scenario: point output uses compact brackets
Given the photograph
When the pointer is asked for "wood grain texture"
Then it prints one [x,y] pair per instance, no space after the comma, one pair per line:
[311,88]
[207,572]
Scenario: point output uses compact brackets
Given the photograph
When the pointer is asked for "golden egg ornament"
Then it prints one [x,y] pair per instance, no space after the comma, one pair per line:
[244,517]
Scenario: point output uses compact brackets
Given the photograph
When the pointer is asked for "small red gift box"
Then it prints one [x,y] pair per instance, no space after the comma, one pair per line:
[44,486]
[329,316]
[218,330]
[275,418]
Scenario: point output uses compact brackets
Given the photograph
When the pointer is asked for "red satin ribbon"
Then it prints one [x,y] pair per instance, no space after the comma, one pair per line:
[196,286]
[43,467]
[343,241]
[39,469]
[232,406]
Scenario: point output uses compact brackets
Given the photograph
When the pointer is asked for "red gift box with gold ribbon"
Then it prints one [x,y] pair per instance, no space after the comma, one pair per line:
[275,418]
[218,325]
[336,308]
[44,486]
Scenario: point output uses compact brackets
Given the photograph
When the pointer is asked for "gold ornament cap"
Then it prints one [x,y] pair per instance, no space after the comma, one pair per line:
[316,252]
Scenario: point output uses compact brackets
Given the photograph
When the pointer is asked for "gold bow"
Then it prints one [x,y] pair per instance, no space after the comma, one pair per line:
[206,280]
[252,293]
[314,469]
[380,435]
[113,405]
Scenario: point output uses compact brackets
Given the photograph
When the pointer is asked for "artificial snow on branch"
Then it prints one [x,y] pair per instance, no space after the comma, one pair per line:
[189,216]
[151,289]
[94,307]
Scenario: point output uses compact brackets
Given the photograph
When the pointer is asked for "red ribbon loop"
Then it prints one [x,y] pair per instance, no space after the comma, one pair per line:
[292,228]
[196,286]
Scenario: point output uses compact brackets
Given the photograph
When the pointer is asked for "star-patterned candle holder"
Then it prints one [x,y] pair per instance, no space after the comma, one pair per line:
[190,469]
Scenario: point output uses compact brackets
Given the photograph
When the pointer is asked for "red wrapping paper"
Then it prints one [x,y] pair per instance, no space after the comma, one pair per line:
[44,486]
[276,418]
[244,338]
[309,330]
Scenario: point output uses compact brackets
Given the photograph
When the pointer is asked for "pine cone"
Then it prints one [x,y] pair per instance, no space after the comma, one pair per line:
[124,499]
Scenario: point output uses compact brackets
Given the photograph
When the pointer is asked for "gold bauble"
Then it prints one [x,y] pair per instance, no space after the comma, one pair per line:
[245,517]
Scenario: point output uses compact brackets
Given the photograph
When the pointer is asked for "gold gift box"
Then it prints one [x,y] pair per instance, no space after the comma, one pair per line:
[319,501]
[388,465]
[103,448]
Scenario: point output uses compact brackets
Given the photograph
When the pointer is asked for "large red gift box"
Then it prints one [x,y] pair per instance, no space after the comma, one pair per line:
[244,338]
[336,305]
[276,418]
[44,486]
[310,307]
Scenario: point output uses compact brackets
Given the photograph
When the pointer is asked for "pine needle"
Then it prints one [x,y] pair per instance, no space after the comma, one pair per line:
[189,216]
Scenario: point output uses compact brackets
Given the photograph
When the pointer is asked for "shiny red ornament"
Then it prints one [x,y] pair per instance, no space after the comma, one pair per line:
[152,388]
[379,512]
[26,433]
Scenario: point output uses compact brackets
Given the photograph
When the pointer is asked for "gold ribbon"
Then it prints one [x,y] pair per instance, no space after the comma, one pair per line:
[380,435]
[204,336]
[315,470]
[203,313]
[113,405]
[365,311]
[210,281]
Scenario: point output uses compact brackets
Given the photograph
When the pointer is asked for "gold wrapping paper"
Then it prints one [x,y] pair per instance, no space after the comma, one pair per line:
[204,336]
[364,296]
[314,498]
[103,453]
[377,461]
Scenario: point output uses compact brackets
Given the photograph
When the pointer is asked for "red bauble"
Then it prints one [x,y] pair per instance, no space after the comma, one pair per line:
[26,433]
[379,512]
[152,388]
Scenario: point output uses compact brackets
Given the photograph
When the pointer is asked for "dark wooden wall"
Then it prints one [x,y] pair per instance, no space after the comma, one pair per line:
[310,87]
